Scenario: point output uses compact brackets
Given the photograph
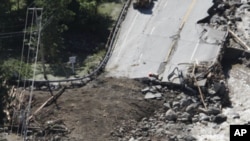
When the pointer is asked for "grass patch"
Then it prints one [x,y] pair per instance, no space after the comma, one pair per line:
[92,61]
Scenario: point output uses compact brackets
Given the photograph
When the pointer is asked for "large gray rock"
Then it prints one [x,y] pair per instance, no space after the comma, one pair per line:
[132,139]
[158,87]
[216,98]
[158,95]
[192,107]
[185,102]
[149,95]
[203,117]
[219,118]
[184,117]
[145,90]
[213,111]
[189,138]
[176,104]
[171,115]
[167,105]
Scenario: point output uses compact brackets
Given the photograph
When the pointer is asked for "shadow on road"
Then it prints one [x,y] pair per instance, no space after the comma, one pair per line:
[146,10]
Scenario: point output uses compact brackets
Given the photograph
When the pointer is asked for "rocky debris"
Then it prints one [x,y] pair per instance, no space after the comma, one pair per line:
[235,115]
[153,92]
[171,115]
[219,118]
[180,107]
[149,95]
[185,108]
[231,16]
[179,110]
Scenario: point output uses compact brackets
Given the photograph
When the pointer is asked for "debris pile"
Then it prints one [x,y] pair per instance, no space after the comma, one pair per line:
[18,115]
[232,16]
[198,98]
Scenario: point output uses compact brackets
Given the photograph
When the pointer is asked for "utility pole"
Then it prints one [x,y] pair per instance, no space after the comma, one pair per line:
[31,44]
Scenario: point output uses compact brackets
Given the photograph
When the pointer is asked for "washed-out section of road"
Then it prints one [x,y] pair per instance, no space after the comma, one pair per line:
[159,39]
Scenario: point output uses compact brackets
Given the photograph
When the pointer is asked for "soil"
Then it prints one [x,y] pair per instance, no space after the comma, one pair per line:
[93,111]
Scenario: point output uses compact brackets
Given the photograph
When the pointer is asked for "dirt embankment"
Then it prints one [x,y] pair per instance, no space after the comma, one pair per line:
[92,112]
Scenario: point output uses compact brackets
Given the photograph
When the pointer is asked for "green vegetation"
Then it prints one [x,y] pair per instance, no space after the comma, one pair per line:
[69,28]
[12,68]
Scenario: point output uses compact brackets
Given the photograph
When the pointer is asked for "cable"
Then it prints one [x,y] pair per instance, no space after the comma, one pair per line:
[9,36]
[7,33]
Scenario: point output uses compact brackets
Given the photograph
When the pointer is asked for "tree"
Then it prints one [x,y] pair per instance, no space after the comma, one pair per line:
[12,69]
[56,15]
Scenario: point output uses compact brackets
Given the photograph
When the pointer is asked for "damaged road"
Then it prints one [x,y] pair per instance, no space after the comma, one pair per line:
[195,98]
[205,101]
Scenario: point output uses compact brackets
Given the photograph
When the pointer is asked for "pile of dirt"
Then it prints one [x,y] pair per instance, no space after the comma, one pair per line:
[91,112]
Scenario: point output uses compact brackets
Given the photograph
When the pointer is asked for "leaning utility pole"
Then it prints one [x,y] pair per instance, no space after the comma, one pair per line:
[31,44]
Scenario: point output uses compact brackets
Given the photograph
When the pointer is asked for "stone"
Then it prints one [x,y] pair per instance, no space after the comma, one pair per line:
[176,104]
[145,90]
[167,105]
[220,118]
[189,138]
[213,111]
[211,91]
[132,139]
[235,115]
[203,117]
[149,95]
[185,102]
[158,95]
[153,90]
[158,87]
[192,107]
[144,128]
[171,115]
[184,117]
[159,131]
[195,119]
[216,98]
[144,134]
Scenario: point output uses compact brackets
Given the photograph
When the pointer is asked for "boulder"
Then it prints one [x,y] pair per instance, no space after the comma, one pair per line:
[219,118]
[203,117]
[184,117]
[167,105]
[213,111]
[192,107]
[185,102]
[171,115]
[145,90]
[176,104]
[158,95]
[149,95]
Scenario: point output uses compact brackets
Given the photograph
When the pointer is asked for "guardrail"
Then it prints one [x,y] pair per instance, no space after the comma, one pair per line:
[109,45]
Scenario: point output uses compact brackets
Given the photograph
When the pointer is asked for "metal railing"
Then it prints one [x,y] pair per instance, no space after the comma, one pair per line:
[109,45]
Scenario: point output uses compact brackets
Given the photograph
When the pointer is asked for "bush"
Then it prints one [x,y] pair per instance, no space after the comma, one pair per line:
[12,69]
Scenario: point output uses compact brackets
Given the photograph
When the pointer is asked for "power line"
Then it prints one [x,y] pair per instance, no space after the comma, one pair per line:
[8,33]
[11,36]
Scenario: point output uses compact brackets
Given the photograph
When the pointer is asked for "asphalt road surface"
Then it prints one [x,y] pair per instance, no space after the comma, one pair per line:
[156,40]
